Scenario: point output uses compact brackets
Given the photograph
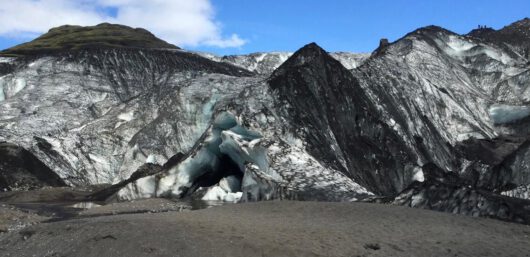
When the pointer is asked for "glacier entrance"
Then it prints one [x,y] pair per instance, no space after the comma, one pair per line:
[220,166]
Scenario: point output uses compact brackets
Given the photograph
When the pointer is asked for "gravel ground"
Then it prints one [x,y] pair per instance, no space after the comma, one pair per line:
[278,228]
[47,194]
[154,205]
[13,218]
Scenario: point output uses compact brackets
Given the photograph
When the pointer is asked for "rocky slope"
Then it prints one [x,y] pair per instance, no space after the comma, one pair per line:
[309,125]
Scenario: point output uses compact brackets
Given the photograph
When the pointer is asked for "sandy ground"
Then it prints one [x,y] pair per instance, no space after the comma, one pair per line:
[274,229]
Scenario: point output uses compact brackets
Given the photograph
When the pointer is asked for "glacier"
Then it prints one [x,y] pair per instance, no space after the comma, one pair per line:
[249,173]
[309,125]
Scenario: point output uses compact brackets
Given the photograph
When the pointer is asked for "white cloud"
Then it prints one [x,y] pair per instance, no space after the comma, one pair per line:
[182,22]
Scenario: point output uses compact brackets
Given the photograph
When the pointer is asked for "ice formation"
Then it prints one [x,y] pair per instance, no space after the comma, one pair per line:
[220,162]
[2,94]
[503,114]
[217,193]
[234,164]
[10,86]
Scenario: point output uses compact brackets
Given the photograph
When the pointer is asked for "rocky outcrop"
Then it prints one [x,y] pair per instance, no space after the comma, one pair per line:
[446,192]
[21,170]
[499,164]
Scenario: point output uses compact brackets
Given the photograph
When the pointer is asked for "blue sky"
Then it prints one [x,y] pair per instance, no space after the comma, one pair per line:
[243,26]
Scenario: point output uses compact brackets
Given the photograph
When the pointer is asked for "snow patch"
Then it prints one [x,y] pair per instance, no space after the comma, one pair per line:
[496,55]
[151,159]
[126,116]
[260,57]
[418,176]
[459,45]
[284,56]
[460,48]
[417,200]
